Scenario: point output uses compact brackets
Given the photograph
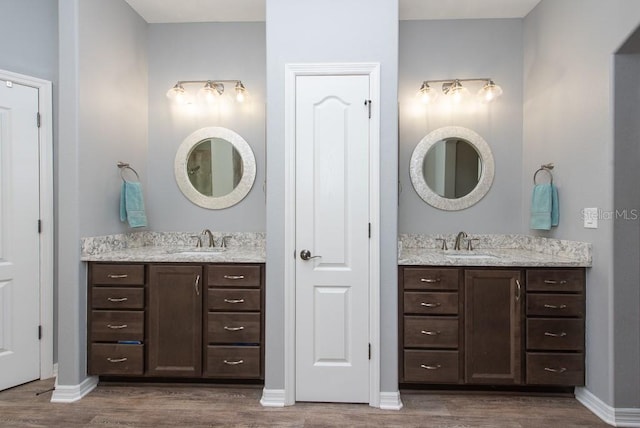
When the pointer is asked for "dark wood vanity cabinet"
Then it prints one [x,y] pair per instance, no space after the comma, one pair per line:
[176,320]
[491,326]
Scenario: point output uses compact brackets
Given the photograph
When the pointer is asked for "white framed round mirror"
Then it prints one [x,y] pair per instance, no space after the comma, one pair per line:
[215,167]
[452,168]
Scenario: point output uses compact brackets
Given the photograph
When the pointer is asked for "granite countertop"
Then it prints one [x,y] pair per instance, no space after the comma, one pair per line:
[173,255]
[498,257]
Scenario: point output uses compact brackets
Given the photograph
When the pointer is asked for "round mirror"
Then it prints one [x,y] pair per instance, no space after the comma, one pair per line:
[452,168]
[215,168]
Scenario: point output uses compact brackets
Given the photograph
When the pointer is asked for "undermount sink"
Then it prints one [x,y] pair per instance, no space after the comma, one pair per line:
[471,256]
[200,251]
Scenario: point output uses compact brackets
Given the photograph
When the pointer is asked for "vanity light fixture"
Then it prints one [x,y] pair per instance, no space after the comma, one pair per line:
[211,90]
[453,88]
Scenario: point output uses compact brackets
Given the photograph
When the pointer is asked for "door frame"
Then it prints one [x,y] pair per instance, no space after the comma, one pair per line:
[45,137]
[330,69]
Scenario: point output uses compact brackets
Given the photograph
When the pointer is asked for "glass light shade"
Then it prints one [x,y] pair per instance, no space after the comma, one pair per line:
[489,92]
[427,94]
[241,92]
[210,92]
[178,94]
[456,92]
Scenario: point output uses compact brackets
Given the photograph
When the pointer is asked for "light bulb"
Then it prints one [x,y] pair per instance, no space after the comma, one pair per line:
[177,94]
[426,93]
[210,92]
[240,92]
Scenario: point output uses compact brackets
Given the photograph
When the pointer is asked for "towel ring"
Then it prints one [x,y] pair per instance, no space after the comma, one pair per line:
[546,168]
[124,166]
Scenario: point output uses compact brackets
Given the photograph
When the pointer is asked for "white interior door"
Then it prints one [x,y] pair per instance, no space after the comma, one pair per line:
[332,224]
[19,240]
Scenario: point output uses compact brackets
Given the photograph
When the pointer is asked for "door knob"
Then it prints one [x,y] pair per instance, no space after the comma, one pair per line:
[306,255]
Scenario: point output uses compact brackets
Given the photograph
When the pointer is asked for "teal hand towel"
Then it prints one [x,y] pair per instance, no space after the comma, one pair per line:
[132,204]
[555,206]
[541,207]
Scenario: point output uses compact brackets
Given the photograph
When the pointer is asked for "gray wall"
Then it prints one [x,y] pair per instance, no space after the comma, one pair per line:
[463,49]
[103,119]
[202,52]
[568,120]
[359,31]
[29,34]
[626,267]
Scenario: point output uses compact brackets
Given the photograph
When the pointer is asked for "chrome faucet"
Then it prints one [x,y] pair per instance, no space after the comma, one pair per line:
[459,239]
[212,242]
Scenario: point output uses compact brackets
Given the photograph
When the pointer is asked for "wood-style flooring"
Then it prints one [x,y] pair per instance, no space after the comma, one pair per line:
[111,405]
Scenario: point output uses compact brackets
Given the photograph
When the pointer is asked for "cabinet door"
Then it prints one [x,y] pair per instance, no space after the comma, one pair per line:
[175,321]
[493,326]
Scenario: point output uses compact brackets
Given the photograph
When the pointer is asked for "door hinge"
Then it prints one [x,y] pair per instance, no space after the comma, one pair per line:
[39,332]
[39,226]
[369,230]
[369,351]
[368,103]
[38,119]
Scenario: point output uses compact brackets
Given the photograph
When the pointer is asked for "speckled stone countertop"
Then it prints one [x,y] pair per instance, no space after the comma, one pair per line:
[173,247]
[495,250]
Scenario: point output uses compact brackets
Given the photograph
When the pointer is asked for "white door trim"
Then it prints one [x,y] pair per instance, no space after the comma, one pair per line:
[331,69]
[45,135]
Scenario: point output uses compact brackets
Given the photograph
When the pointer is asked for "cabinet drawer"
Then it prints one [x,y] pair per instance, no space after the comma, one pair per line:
[431,366]
[555,334]
[233,300]
[571,280]
[420,302]
[117,298]
[555,369]
[111,326]
[226,327]
[117,274]
[430,332]
[233,276]
[555,305]
[233,362]
[430,279]
[116,359]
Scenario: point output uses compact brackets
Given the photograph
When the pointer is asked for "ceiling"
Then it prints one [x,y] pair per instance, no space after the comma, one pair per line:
[164,11]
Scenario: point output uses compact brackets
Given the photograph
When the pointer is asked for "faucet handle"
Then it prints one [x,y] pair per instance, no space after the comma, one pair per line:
[444,243]
[199,240]
[223,241]
[470,243]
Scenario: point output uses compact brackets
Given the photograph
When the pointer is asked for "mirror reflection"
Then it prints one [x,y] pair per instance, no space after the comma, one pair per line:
[214,167]
[452,167]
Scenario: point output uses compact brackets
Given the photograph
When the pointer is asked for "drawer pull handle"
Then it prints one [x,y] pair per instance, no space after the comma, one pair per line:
[560,370]
[547,333]
[430,333]
[233,328]
[555,306]
[117,327]
[117,360]
[234,277]
[117,299]
[554,282]
[196,285]
[234,300]
[436,367]
[234,363]
[115,276]
[429,305]
[518,290]
[429,280]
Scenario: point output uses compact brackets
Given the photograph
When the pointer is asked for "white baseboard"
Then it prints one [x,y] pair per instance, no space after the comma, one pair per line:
[390,401]
[272,398]
[618,417]
[71,393]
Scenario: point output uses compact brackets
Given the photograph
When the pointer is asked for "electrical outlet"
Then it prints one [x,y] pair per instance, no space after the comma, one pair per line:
[590,217]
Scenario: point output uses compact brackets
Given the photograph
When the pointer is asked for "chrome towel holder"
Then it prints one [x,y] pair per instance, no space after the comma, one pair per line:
[125,166]
[546,168]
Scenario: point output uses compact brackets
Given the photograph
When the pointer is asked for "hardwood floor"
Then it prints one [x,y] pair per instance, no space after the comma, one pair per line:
[182,405]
